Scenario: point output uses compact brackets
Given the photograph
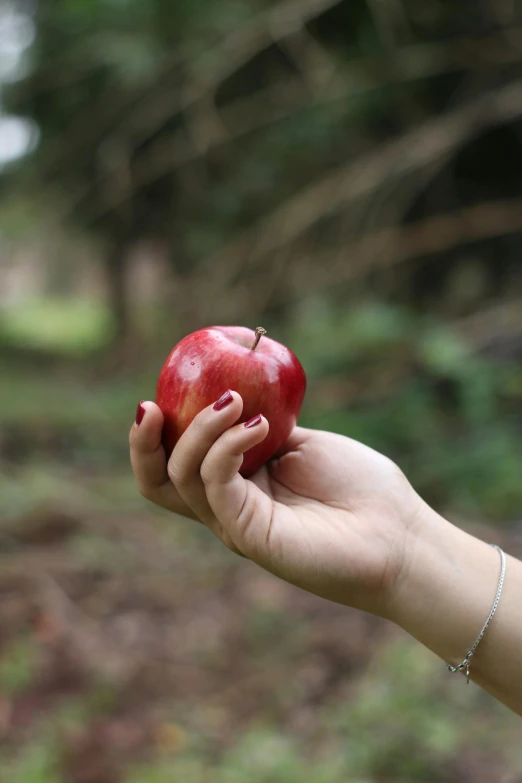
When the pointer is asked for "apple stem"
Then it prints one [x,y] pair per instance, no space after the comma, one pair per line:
[259,333]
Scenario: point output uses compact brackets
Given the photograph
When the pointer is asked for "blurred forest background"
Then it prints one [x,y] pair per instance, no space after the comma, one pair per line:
[346,173]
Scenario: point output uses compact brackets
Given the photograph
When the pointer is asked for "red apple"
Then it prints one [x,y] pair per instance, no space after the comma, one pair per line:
[206,363]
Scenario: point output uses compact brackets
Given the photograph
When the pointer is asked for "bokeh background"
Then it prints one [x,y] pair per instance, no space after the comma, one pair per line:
[346,173]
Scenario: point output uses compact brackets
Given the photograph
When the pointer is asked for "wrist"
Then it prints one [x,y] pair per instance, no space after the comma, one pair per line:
[446,586]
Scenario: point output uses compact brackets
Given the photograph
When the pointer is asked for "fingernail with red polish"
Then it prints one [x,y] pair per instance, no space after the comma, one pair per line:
[254,421]
[140,413]
[223,401]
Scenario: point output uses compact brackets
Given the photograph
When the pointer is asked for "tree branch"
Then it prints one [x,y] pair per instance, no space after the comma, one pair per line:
[224,59]
[412,152]
[313,61]
[431,236]
[411,62]
[319,272]
[284,100]
[149,112]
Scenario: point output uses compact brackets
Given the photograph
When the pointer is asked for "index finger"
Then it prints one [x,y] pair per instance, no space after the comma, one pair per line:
[149,462]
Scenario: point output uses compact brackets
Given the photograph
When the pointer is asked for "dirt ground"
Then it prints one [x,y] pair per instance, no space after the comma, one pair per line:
[133,638]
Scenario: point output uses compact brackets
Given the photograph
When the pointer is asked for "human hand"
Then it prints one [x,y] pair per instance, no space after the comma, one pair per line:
[327,513]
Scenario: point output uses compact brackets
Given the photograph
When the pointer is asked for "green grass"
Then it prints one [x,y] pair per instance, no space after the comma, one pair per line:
[74,326]
[35,485]
[41,397]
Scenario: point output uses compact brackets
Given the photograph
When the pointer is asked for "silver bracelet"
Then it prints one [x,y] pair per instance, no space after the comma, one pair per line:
[466,663]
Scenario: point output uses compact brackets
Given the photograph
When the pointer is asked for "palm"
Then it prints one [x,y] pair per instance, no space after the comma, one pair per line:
[334,523]
[327,513]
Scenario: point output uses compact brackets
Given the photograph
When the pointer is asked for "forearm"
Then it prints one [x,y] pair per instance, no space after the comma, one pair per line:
[446,593]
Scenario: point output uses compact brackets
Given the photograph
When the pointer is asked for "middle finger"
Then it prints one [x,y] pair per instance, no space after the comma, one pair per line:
[191,449]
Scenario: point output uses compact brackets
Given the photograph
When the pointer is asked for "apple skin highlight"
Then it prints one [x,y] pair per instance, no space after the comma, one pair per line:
[202,366]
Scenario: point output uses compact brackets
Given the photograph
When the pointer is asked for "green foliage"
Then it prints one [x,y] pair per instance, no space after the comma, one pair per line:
[331,339]
[17,666]
[443,414]
[409,387]
[402,721]
[38,764]
[261,756]
[266,757]
[416,731]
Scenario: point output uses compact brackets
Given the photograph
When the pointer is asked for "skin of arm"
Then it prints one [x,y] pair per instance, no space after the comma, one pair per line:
[340,520]
[446,593]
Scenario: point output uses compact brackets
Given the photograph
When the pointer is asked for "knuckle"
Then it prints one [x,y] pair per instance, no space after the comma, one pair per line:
[206,472]
[215,459]
[229,542]
[246,517]
[176,473]
[198,424]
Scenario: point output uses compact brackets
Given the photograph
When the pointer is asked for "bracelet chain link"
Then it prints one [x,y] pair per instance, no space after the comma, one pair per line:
[466,663]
